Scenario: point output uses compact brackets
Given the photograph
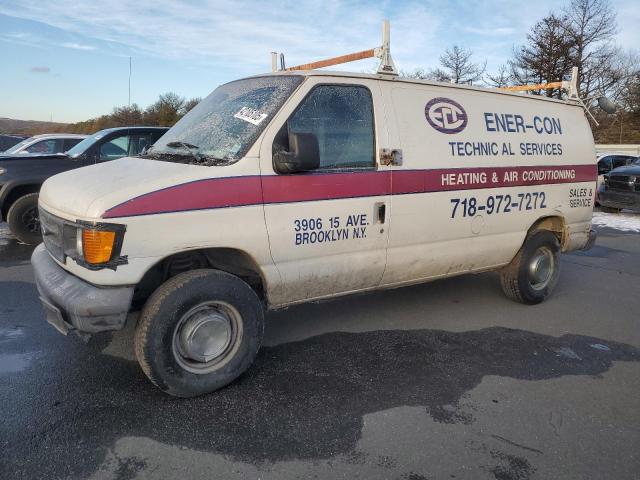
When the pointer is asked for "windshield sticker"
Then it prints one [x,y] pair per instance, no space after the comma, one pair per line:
[250,115]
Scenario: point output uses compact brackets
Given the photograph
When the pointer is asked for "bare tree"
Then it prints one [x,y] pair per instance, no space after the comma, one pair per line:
[435,74]
[189,104]
[547,55]
[417,74]
[502,78]
[458,66]
[166,111]
[123,116]
[591,26]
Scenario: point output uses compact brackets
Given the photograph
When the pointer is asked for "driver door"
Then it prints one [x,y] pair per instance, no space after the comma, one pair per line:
[328,227]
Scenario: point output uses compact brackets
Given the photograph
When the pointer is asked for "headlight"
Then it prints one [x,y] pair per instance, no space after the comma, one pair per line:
[94,245]
[3,170]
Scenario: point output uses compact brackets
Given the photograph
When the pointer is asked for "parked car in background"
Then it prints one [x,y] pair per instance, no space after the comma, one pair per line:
[45,144]
[8,141]
[611,160]
[621,189]
[22,175]
[607,162]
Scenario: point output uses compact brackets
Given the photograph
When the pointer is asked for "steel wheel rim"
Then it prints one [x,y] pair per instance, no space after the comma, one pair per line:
[31,220]
[541,268]
[207,336]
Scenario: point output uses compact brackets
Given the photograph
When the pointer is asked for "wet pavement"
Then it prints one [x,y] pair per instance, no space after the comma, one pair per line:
[442,380]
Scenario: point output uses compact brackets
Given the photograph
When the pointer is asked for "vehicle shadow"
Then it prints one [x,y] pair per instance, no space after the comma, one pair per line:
[12,251]
[300,400]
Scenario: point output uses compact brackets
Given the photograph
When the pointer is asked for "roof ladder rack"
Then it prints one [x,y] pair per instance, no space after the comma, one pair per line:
[382,52]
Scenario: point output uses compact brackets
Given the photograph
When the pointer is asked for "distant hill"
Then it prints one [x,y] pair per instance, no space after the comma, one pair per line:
[30,127]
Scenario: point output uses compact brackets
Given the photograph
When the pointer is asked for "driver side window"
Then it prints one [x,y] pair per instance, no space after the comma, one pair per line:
[341,119]
[113,149]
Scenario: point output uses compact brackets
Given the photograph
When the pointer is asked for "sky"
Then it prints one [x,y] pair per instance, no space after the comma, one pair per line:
[68,61]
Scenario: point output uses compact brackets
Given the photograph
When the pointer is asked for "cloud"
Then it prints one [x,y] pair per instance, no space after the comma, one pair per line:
[77,46]
[40,70]
[236,36]
[237,32]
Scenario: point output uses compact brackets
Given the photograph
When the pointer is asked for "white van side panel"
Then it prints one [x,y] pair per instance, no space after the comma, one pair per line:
[482,178]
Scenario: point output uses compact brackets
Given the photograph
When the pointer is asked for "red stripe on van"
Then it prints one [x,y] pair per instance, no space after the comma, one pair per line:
[437,180]
[253,190]
[327,186]
[198,195]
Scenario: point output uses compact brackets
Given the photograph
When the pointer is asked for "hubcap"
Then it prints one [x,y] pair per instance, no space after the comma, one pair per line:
[205,336]
[541,268]
[31,221]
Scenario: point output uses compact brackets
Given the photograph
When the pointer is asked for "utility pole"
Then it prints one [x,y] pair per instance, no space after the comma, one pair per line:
[129,104]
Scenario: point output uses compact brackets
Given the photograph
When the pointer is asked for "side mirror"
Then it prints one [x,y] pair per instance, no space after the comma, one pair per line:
[607,105]
[303,154]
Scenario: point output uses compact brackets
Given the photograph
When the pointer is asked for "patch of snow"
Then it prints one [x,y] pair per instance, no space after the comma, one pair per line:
[5,236]
[627,222]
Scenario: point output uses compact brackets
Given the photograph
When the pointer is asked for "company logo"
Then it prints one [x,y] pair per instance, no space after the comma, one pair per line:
[445,115]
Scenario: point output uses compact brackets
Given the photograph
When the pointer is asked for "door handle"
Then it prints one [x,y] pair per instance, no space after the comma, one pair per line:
[381,209]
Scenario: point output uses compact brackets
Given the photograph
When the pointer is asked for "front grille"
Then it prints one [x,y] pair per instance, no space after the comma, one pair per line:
[52,234]
[621,182]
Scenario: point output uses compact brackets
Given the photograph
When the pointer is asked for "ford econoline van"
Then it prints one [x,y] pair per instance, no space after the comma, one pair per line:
[306,185]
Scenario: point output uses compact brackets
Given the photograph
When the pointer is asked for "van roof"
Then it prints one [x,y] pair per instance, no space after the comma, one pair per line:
[398,79]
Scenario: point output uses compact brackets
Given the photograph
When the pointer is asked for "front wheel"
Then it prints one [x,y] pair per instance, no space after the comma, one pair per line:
[533,273]
[23,219]
[198,332]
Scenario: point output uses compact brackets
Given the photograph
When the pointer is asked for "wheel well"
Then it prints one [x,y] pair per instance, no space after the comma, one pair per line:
[554,224]
[236,262]
[16,193]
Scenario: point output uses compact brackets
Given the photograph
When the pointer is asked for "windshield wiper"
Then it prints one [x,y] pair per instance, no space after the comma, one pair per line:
[188,147]
[201,159]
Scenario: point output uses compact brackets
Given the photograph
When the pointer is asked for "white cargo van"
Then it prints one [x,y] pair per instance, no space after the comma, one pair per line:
[306,185]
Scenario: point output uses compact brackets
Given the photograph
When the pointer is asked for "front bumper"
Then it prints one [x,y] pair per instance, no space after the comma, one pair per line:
[618,199]
[73,304]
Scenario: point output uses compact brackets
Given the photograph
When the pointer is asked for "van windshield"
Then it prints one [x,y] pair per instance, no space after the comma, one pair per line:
[222,127]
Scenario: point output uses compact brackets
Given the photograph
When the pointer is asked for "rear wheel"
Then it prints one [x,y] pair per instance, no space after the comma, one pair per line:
[23,219]
[533,273]
[198,332]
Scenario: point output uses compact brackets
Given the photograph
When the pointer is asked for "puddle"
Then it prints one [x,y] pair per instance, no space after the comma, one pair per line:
[7,334]
[15,362]
[12,250]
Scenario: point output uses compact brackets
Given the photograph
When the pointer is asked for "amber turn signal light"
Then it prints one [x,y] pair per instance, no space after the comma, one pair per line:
[97,245]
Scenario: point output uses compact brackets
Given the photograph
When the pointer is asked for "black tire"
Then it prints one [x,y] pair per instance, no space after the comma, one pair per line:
[525,279]
[610,209]
[158,334]
[23,219]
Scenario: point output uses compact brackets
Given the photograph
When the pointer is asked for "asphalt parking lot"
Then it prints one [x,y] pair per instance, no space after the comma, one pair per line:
[441,380]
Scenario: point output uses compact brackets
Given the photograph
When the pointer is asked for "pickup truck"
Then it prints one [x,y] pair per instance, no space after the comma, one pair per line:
[22,176]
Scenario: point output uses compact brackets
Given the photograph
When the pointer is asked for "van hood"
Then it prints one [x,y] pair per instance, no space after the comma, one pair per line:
[89,192]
